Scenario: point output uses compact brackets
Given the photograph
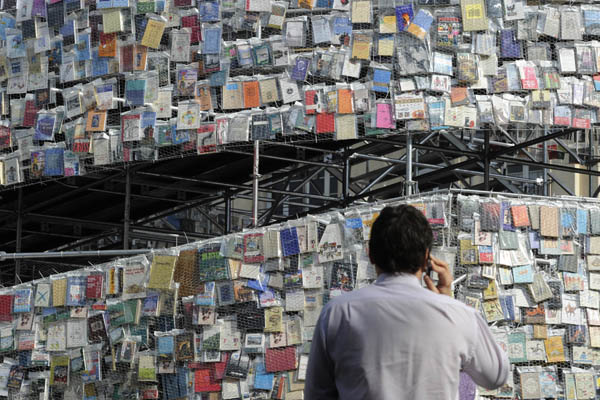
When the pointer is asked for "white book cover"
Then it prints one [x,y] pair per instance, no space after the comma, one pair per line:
[57,337]
[77,333]
[134,278]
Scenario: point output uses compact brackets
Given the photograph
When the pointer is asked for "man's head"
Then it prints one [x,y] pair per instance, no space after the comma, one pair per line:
[400,240]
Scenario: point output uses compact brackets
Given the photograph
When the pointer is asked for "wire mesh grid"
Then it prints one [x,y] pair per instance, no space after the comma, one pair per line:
[297,73]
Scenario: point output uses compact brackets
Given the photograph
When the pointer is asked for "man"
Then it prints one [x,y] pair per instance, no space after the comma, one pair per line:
[395,339]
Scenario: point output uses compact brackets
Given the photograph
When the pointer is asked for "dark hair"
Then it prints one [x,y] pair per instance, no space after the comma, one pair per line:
[400,238]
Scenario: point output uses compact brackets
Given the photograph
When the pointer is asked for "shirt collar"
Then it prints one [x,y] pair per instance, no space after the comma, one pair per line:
[386,279]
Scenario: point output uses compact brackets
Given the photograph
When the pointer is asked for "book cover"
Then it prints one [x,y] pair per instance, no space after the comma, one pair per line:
[212,266]
[206,140]
[59,370]
[97,328]
[474,15]
[59,292]
[42,295]
[94,286]
[134,279]
[131,127]
[153,33]
[22,300]
[54,161]
[76,288]
[161,272]
[280,359]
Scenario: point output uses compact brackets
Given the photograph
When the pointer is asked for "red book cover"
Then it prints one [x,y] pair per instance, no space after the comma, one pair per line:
[6,306]
[191,21]
[280,359]
[311,100]
[220,366]
[127,58]
[204,381]
[30,113]
[326,123]
[94,286]
[183,3]
[5,141]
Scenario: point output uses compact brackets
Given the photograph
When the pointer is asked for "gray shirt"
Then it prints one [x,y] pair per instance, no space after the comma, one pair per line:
[397,340]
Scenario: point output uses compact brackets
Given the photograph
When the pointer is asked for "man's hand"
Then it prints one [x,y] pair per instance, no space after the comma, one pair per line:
[444,277]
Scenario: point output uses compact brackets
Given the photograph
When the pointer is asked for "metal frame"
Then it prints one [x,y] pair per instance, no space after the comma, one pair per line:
[399,164]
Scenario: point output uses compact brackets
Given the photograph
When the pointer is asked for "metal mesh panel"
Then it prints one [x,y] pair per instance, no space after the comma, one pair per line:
[358,71]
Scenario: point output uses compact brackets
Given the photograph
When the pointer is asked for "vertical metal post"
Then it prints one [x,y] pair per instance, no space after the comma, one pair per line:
[486,159]
[227,211]
[545,159]
[127,208]
[255,177]
[19,234]
[409,165]
[346,178]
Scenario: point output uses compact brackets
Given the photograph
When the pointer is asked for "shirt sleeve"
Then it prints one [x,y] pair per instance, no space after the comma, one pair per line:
[320,375]
[487,363]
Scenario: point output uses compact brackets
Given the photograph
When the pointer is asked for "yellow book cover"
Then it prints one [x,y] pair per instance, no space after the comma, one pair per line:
[161,272]
[473,14]
[153,33]
[361,12]
[59,370]
[361,47]
[112,21]
[274,319]
[387,24]
[555,350]
[59,292]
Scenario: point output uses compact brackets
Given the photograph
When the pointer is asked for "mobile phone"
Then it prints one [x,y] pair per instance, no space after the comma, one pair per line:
[429,268]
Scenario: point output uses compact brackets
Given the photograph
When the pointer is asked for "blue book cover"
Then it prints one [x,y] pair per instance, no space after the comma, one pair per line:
[508,307]
[207,296]
[218,78]
[262,379]
[82,47]
[150,304]
[54,162]
[289,242]
[324,3]
[44,127]
[135,90]
[509,45]
[342,25]
[180,136]
[68,32]
[423,20]
[300,68]
[7,21]
[76,287]
[582,221]
[99,64]
[165,346]
[404,14]
[103,4]
[182,386]
[22,300]
[211,40]
[56,52]
[261,283]
[381,80]
[120,3]
[148,123]
[209,11]
[159,6]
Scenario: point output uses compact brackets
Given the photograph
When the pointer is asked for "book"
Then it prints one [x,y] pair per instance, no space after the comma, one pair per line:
[474,16]
[59,370]
[161,272]
[280,359]
[94,286]
[212,266]
[22,300]
[153,33]
[42,295]
[131,127]
[97,328]
[134,279]
[76,288]
[59,292]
